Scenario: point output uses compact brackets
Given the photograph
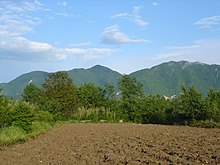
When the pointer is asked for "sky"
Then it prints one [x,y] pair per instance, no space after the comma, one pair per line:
[126,36]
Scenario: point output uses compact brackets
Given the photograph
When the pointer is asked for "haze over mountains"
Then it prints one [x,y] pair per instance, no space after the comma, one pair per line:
[163,79]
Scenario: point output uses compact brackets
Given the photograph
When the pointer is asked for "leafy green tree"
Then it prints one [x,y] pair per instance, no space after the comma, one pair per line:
[130,88]
[174,114]
[32,94]
[154,109]
[54,107]
[132,92]
[110,96]
[90,96]
[212,103]
[109,91]
[58,87]
[191,105]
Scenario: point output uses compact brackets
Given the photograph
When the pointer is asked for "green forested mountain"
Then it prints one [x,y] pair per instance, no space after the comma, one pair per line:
[15,87]
[166,78]
[99,75]
[163,79]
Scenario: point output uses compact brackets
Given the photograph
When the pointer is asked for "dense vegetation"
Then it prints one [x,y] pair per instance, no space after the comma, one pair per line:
[59,99]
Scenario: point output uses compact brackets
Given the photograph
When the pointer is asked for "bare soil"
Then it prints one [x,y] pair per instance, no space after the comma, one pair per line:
[117,144]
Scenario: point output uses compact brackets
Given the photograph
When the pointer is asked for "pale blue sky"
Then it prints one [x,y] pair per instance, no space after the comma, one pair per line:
[52,35]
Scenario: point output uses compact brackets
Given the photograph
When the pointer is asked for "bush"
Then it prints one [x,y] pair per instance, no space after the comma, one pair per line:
[3,111]
[19,114]
[44,116]
[52,106]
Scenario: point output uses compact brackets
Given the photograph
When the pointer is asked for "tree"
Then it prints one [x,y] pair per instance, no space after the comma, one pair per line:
[153,109]
[191,105]
[32,94]
[212,103]
[58,87]
[109,91]
[109,94]
[90,96]
[132,93]
[130,88]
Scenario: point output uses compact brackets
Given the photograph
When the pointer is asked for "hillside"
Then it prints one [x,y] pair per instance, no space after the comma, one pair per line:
[163,79]
[98,75]
[15,87]
[166,78]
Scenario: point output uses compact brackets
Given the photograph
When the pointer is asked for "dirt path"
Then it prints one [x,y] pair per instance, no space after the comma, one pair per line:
[117,144]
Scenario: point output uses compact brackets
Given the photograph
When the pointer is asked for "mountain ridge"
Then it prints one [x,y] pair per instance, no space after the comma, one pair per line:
[164,79]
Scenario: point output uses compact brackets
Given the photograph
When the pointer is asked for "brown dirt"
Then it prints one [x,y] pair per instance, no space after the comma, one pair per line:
[117,144]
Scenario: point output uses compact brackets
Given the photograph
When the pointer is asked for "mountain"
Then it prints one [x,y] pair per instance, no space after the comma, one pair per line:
[98,75]
[166,78]
[163,79]
[15,87]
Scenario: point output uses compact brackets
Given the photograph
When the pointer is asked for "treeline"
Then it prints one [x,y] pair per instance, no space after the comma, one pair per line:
[59,99]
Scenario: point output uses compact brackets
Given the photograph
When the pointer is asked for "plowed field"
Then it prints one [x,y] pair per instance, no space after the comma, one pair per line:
[117,144]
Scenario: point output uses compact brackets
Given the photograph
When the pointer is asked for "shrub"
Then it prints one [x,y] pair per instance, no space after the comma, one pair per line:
[3,111]
[52,106]
[44,116]
[20,114]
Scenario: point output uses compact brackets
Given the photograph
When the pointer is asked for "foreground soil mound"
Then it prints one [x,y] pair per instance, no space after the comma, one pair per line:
[117,144]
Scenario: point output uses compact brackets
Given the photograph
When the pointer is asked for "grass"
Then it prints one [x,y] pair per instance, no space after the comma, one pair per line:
[39,128]
[12,135]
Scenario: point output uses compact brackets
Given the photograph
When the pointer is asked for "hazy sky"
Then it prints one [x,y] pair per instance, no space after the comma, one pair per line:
[125,35]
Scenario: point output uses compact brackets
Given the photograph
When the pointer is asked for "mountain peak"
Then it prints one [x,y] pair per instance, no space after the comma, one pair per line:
[98,67]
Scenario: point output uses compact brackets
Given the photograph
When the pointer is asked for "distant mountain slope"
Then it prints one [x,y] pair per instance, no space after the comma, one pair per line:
[98,75]
[166,78]
[15,87]
[163,79]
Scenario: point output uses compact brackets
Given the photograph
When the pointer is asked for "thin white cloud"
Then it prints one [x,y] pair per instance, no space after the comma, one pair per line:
[133,17]
[65,14]
[120,15]
[155,3]
[90,21]
[112,35]
[14,17]
[82,44]
[19,48]
[183,47]
[62,3]
[209,22]
[32,6]
[206,51]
